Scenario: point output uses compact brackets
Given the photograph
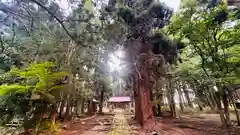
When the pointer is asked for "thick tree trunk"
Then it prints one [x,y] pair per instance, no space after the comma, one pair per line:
[70,77]
[71,111]
[101,101]
[226,109]
[138,112]
[90,110]
[143,106]
[69,101]
[172,104]
[236,110]
[136,98]
[82,106]
[77,106]
[144,112]
[220,109]
[67,113]
[62,108]
[171,97]
[159,110]
[154,110]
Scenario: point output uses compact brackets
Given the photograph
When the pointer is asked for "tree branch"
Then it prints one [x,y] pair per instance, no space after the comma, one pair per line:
[14,33]
[26,29]
[59,21]
[54,16]
[11,10]
[2,45]
[200,53]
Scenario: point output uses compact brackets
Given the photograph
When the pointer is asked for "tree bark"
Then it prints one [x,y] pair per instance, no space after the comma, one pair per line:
[153,106]
[136,98]
[171,97]
[77,106]
[209,102]
[144,114]
[159,110]
[70,77]
[226,109]
[62,108]
[90,111]
[235,109]
[212,99]
[199,104]
[140,55]
[186,93]
[145,106]
[138,113]
[101,101]
[82,105]
[67,113]
[220,109]
[180,98]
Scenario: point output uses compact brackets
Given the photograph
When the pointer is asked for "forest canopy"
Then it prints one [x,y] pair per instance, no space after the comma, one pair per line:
[55,55]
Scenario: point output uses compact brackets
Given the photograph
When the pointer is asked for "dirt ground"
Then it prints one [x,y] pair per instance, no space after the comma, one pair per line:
[204,124]
[80,126]
[187,125]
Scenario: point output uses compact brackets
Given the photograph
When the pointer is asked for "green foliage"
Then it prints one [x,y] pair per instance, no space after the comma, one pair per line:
[34,92]
[43,36]
[13,88]
[210,39]
[211,56]
[39,78]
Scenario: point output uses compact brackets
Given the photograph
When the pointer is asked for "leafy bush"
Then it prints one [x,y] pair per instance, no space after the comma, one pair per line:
[31,97]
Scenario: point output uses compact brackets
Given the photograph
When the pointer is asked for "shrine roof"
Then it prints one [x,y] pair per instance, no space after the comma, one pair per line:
[119,99]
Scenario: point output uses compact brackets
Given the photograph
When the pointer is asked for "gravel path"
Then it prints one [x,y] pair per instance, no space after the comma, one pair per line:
[120,125]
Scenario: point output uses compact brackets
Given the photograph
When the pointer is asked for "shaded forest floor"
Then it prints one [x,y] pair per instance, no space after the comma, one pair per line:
[82,125]
[187,125]
[202,124]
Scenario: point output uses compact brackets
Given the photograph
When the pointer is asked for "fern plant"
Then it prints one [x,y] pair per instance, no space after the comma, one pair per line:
[12,88]
[39,80]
